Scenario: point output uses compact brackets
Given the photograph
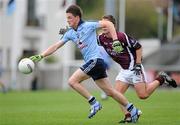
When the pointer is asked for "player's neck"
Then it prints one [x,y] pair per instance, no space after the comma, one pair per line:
[108,35]
[78,24]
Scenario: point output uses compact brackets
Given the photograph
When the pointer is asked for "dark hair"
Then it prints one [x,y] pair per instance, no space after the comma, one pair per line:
[75,10]
[110,18]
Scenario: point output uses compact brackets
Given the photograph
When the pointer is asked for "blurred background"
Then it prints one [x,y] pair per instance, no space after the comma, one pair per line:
[28,27]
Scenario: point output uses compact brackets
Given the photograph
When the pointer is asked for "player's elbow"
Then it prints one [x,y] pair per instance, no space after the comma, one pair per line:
[71,83]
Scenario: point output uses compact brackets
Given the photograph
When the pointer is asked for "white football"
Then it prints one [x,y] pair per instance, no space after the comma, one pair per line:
[26,66]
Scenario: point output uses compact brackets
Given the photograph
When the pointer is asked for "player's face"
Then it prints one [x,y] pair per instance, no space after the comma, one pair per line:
[72,20]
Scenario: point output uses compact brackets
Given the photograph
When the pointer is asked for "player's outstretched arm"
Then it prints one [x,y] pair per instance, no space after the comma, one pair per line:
[50,50]
[139,55]
[110,26]
[137,67]
[117,47]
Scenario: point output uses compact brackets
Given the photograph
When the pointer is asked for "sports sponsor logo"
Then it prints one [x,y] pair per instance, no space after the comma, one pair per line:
[81,45]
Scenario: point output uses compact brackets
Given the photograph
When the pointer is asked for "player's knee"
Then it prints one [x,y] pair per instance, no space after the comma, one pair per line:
[109,94]
[71,83]
[143,96]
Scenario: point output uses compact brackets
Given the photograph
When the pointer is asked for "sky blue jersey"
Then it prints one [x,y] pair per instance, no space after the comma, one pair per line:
[85,39]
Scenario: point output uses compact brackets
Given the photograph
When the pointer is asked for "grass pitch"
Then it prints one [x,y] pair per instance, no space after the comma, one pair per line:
[68,108]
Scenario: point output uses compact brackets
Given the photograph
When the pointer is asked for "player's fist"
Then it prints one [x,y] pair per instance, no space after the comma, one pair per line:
[36,58]
[117,47]
[137,69]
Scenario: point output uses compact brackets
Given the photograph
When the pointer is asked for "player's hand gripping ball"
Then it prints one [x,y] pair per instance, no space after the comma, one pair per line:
[26,66]
[36,58]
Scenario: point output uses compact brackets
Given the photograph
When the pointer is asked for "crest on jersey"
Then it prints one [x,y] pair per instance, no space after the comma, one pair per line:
[81,44]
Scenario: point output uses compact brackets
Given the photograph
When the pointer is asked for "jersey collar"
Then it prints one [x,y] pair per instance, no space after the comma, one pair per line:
[80,22]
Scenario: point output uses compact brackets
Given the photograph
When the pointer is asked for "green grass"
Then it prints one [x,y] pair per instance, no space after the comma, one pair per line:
[68,108]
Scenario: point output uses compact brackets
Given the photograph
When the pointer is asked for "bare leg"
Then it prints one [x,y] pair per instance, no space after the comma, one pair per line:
[121,87]
[144,90]
[150,87]
[105,85]
[75,80]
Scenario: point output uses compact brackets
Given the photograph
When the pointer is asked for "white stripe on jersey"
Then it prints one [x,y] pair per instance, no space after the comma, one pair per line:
[90,66]
[130,54]
[131,65]
[127,40]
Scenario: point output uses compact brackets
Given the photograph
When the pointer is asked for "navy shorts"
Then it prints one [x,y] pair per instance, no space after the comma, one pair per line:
[96,68]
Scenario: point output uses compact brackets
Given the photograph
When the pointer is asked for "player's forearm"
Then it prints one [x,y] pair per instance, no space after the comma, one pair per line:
[112,31]
[139,55]
[110,26]
[48,51]
[51,49]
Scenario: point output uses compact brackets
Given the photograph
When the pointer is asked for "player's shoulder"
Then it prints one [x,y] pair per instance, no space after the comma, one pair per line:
[121,34]
[69,30]
[122,37]
[90,22]
[69,33]
[62,31]
[125,35]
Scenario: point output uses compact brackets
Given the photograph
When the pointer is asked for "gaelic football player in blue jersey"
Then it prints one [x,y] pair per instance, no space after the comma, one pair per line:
[83,34]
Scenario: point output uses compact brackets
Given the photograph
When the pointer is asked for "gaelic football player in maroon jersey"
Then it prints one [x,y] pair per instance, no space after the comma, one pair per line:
[128,54]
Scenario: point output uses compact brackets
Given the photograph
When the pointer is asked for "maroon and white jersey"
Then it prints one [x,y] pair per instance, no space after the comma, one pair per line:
[127,58]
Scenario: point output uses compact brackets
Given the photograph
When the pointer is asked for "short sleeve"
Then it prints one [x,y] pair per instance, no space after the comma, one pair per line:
[93,25]
[65,37]
[133,42]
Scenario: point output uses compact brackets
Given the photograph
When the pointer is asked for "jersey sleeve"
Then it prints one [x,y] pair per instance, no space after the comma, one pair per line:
[65,38]
[131,42]
[134,43]
[93,25]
